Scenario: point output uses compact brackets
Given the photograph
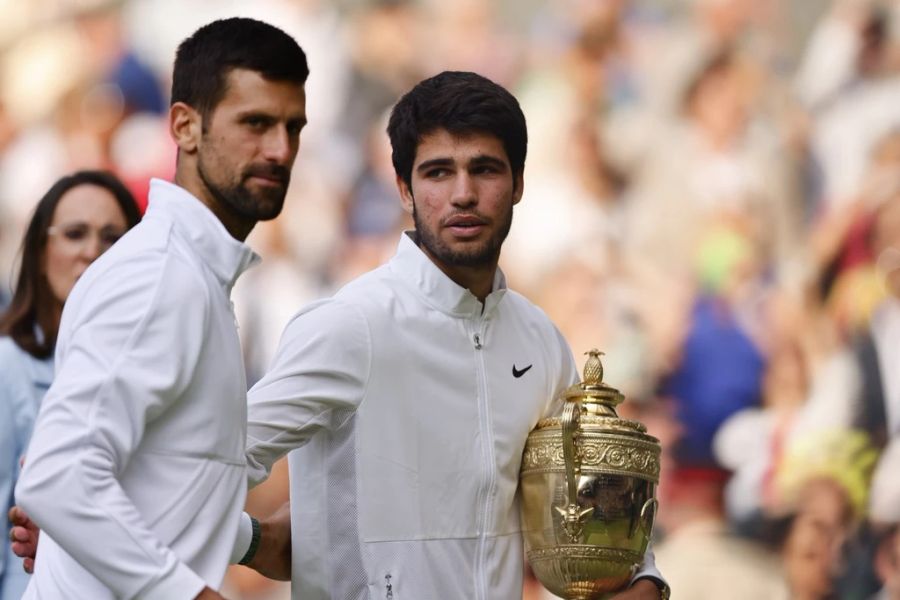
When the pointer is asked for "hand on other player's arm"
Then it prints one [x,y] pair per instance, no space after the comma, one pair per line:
[24,537]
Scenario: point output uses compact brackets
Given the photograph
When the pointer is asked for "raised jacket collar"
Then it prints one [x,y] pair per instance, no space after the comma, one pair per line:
[227,257]
[413,266]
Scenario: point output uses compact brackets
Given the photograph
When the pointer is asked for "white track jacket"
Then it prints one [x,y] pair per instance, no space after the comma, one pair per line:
[405,408]
[136,470]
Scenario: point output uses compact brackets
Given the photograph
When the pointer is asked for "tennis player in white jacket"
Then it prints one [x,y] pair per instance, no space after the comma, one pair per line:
[405,400]
[136,471]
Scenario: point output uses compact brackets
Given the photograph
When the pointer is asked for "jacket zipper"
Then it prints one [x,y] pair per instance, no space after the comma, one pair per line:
[487,457]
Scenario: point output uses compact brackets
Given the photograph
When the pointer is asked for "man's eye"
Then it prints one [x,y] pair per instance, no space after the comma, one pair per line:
[294,128]
[435,173]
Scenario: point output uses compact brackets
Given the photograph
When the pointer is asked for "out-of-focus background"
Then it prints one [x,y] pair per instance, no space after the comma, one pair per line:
[709,192]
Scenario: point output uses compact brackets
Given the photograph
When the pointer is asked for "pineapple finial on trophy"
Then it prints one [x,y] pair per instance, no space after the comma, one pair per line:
[593,368]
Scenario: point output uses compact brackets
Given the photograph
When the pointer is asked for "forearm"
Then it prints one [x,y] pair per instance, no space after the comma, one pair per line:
[77,504]
[69,489]
[316,381]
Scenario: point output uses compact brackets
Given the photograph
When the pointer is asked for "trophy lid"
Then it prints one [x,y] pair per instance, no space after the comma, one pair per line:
[592,390]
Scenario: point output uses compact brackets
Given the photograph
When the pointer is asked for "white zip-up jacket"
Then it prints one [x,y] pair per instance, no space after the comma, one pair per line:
[136,471]
[405,408]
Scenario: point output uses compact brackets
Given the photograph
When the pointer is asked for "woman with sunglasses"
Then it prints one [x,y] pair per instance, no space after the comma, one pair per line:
[78,219]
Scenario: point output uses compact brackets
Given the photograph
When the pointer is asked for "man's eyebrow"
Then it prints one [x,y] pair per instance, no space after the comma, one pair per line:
[482,159]
[254,114]
[434,162]
[267,116]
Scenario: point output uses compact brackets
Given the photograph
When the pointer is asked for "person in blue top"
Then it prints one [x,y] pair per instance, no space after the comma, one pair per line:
[78,218]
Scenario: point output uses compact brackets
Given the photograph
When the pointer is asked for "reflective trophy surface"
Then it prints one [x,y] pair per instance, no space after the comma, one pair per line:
[588,484]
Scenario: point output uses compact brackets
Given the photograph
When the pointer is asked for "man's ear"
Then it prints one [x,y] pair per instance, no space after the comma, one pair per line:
[406,196]
[519,187]
[185,127]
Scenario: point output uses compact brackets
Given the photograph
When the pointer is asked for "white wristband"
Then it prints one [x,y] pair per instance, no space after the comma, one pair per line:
[243,539]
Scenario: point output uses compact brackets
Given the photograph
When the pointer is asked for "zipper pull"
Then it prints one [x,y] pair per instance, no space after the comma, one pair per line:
[477,339]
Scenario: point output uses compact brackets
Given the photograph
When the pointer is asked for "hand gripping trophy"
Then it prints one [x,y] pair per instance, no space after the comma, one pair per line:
[588,483]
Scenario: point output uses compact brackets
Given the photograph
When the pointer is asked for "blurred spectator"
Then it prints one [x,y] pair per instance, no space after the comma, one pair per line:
[699,556]
[878,349]
[851,79]
[78,219]
[823,483]
[750,443]
[715,164]
[720,373]
[885,515]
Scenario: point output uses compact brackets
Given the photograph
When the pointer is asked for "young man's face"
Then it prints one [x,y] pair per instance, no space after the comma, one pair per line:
[249,143]
[462,196]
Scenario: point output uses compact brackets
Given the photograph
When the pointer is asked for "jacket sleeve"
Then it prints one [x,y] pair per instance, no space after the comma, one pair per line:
[566,373]
[648,567]
[127,349]
[11,396]
[317,380]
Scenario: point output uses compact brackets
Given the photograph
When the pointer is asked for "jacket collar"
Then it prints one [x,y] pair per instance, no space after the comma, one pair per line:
[415,268]
[226,257]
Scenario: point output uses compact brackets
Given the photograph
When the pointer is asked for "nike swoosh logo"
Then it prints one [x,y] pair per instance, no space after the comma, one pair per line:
[518,373]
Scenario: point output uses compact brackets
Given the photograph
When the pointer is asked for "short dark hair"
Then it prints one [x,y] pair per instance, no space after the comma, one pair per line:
[460,102]
[204,60]
[32,301]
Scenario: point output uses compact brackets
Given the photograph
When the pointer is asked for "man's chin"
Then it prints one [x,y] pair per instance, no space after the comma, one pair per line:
[268,216]
[267,206]
[267,212]
[471,257]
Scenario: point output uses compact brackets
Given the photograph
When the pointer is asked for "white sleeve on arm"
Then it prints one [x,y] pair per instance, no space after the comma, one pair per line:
[130,349]
[243,539]
[317,380]
[648,567]
[567,374]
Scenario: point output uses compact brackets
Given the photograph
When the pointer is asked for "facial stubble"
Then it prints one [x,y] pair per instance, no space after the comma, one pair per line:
[263,205]
[486,254]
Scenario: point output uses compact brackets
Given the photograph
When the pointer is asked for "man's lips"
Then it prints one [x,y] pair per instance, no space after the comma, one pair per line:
[269,180]
[465,225]
[271,176]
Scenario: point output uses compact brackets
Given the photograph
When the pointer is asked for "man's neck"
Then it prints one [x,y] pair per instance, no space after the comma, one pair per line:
[478,279]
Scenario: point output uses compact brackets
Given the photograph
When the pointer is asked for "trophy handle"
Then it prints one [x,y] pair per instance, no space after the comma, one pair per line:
[571,514]
[648,514]
[571,419]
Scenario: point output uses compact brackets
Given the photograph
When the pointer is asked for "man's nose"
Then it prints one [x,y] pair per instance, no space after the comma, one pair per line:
[279,146]
[464,192]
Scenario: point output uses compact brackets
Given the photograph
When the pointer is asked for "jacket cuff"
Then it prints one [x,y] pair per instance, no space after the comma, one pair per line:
[648,568]
[243,539]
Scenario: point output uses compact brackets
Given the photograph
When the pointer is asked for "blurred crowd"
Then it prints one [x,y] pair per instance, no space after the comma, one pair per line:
[712,197]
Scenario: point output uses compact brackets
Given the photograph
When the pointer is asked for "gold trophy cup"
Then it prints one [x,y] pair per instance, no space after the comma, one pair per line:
[588,484]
